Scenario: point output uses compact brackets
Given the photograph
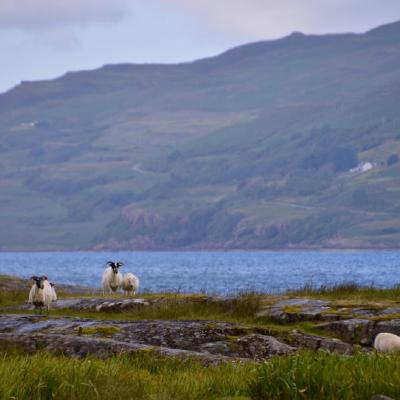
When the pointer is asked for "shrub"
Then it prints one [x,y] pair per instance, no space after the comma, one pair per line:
[392,159]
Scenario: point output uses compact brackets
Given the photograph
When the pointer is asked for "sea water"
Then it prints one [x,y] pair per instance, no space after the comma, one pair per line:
[213,272]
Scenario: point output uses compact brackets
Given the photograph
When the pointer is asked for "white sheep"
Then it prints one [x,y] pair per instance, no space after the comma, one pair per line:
[40,294]
[387,343]
[50,286]
[53,292]
[112,278]
[130,284]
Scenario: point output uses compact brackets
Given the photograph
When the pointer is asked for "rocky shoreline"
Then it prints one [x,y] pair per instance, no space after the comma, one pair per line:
[211,341]
[283,325]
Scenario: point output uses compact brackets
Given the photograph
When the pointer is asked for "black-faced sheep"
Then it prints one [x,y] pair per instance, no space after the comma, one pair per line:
[112,278]
[40,294]
[53,292]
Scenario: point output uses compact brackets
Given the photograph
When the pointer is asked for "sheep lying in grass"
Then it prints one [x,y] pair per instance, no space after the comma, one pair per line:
[40,294]
[112,278]
[387,343]
[130,284]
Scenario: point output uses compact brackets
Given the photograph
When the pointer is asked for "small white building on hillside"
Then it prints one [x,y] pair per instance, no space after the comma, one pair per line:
[363,167]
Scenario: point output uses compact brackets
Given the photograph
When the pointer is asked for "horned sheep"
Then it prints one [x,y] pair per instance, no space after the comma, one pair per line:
[112,278]
[40,294]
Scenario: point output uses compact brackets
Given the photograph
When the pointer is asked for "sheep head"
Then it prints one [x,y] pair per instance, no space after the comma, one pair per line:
[115,265]
[39,281]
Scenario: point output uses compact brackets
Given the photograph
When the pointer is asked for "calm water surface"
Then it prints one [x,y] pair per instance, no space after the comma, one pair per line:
[213,272]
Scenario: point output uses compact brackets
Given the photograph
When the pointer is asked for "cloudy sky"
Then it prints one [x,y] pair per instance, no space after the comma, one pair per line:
[42,39]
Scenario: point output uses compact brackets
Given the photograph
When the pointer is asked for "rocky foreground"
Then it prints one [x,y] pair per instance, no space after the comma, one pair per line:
[342,327]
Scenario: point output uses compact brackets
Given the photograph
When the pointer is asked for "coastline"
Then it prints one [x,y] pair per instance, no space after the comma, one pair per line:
[209,250]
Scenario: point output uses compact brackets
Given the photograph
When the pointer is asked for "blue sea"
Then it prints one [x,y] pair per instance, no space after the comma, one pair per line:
[213,272]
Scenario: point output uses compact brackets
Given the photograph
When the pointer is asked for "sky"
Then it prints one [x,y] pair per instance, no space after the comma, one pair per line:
[43,39]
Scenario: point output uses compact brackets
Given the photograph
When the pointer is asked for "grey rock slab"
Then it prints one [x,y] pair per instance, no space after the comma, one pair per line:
[380,397]
[315,342]
[42,325]
[174,335]
[220,347]
[354,330]
[253,346]
[101,304]
[124,305]
[96,304]
[391,326]
[389,311]
[10,323]
[306,310]
[179,334]
[262,346]
[363,312]
[39,323]
[81,346]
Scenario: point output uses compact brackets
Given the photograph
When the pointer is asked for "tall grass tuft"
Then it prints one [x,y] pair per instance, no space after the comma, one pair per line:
[142,376]
[328,376]
[240,308]
[347,291]
[13,297]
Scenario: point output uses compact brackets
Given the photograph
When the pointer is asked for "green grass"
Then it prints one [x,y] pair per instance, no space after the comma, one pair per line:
[307,375]
[99,330]
[310,375]
[12,297]
[143,376]
[242,308]
[348,291]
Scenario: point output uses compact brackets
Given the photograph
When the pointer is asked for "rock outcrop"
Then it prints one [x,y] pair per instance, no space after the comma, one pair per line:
[352,325]
[210,341]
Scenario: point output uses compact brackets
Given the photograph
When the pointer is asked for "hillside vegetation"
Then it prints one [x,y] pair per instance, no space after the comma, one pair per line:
[277,144]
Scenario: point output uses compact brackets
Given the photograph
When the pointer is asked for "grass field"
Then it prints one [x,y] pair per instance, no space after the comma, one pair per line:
[145,376]
[307,375]
[327,376]
[348,291]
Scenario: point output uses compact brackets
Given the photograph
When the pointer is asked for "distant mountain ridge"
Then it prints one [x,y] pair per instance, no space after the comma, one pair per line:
[255,148]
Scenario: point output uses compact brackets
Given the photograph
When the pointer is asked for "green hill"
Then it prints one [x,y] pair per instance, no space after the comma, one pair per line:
[277,144]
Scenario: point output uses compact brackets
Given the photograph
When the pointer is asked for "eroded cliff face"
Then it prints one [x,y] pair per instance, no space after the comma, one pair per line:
[144,229]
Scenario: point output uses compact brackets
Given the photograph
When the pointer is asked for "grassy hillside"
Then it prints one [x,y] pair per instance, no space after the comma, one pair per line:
[255,148]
